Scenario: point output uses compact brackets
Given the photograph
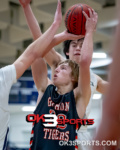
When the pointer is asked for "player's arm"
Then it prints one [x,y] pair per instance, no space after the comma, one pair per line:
[41,80]
[39,47]
[83,91]
[52,57]
[33,25]
[30,18]
[102,85]
[110,123]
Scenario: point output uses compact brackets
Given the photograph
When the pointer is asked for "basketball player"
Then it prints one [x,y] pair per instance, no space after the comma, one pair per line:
[9,74]
[53,58]
[66,96]
[109,129]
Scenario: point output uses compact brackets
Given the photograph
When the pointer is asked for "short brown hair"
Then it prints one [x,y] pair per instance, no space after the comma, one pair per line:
[75,70]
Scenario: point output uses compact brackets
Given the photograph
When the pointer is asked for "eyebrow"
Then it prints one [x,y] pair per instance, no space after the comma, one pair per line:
[65,65]
[73,42]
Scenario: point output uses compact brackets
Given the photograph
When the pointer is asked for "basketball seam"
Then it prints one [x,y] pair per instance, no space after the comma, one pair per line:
[81,19]
[70,17]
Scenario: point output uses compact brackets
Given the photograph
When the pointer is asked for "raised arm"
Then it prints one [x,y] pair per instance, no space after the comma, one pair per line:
[102,85]
[39,47]
[52,57]
[83,91]
[36,32]
[30,18]
[109,129]
[41,80]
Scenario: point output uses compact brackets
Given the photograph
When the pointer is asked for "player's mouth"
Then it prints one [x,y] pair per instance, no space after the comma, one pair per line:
[55,76]
[77,54]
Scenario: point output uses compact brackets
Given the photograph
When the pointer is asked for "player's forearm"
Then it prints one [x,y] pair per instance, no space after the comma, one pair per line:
[102,86]
[84,63]
[58,38]
[87,49]
[114,88]
[35,50]
[111,103]
[41,45]
[32,22]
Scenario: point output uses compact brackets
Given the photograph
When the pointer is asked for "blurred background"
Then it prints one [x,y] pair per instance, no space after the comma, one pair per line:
[15,37]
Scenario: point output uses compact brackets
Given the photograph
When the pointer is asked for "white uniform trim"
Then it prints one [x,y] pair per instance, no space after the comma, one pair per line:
[7,78]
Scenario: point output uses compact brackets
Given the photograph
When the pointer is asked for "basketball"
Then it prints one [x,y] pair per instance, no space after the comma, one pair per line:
[75,20]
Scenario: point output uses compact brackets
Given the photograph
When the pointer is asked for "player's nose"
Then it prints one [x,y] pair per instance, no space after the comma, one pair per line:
[57,70]
[78,48]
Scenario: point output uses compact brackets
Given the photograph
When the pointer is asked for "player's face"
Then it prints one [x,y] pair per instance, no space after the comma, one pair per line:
[75,50]
[62,75]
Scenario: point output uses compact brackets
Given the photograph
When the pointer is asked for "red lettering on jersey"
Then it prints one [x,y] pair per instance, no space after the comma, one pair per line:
[67,106]
[67,136]
[60,106]
[57,107]
[46,131]
[61,136]
[50,133]
[54,134]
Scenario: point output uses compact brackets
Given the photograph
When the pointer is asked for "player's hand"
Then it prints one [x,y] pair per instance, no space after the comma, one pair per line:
[24,3]
[70,36]
[91,21]
[58,14]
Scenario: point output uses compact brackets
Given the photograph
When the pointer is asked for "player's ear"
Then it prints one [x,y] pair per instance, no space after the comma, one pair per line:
[73,79]
[67,53]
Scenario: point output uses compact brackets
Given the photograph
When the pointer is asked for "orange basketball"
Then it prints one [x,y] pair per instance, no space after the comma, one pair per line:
[75,20]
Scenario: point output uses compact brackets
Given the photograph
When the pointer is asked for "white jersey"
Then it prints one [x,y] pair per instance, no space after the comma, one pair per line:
[7,78]
[83,135]
[93,85]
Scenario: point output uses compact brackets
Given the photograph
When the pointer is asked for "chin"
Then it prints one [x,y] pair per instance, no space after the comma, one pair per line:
[55,83]
[76,59]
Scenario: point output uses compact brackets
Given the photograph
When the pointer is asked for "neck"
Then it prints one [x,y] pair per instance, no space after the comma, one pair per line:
[64,89]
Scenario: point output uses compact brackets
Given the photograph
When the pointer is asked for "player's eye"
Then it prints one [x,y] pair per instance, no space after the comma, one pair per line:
[74,45]
[63,67]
